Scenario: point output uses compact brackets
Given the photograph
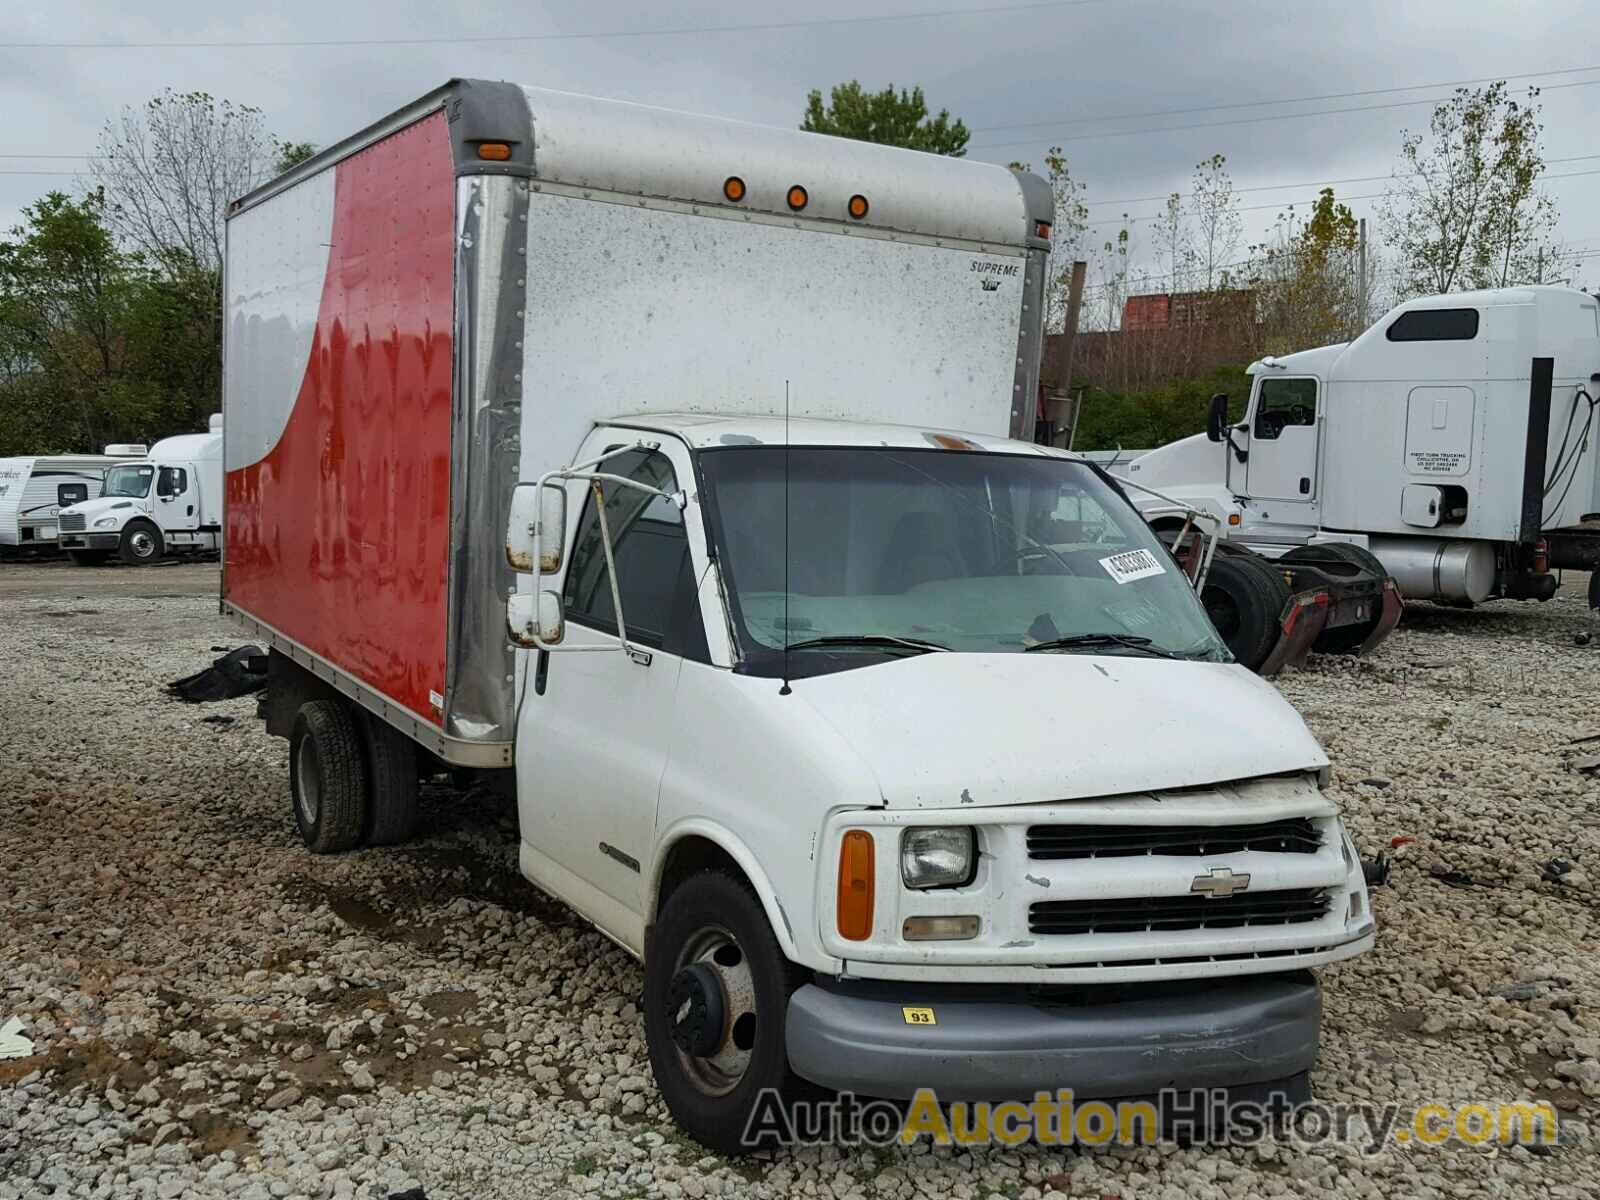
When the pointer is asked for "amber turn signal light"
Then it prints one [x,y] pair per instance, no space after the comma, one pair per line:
[855,886]
[857,207]
[798,198]
[494,151]
[1041,229]
[733,188]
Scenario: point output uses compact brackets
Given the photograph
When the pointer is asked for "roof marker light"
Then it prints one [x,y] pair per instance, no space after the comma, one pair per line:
[733,188]
[798,198]
[857,207]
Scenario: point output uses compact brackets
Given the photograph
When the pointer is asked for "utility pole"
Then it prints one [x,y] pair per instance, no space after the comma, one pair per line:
[1060,418]
[1361,254]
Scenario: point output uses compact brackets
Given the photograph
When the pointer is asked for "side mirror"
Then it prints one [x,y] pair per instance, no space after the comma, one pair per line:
[537,508]
[533,618]
[1217,417]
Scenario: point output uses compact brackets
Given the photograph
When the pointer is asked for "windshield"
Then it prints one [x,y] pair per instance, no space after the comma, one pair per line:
[894,552]
[130,479]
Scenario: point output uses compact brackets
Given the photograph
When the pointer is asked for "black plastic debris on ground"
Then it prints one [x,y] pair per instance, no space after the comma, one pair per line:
[237,673]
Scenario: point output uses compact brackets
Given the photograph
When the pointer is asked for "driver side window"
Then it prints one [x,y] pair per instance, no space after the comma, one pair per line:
[654,577]
[1284,402]
[171,482]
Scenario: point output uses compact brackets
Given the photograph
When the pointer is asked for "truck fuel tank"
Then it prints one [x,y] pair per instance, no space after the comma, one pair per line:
[1437,568]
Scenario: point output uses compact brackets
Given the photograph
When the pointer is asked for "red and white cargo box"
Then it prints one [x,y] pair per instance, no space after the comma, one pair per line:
[449,300]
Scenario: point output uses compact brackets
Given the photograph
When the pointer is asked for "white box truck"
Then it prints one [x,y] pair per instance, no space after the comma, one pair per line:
[167,503]
[1453,441]
[34,489]
[887,742]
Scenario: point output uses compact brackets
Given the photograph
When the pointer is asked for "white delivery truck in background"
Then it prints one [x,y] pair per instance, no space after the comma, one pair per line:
[1454,441]
[169,502]
[34,490]
[887,742]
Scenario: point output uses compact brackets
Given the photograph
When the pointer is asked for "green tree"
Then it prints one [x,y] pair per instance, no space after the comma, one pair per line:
[1306,278]
[96,345]
[1465,208]
[292,154]
[889,117]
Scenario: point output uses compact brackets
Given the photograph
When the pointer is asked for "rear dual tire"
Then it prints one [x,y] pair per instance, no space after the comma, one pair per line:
[352,777]
[1357,560]
[1244,596]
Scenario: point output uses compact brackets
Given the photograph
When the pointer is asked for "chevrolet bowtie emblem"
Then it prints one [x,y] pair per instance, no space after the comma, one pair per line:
[1219,883]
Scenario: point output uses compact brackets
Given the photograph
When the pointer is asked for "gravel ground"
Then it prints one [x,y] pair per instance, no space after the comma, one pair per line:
[216,1012]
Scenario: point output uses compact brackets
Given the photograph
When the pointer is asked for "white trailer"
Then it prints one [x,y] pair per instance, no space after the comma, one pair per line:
[34,490]
[886,741]
[167,503]
[1453,440]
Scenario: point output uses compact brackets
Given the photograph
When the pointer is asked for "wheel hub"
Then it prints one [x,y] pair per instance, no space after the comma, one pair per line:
[697,1009]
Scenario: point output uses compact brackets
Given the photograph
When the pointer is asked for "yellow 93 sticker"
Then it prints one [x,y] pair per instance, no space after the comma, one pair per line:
[919,1016]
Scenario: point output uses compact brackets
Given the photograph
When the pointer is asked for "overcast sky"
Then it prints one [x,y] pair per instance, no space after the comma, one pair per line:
[1021,77]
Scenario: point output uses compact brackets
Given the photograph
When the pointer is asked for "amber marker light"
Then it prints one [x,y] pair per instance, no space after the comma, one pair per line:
[855,886]
[494,151]
[798,198]
[733,188]
[857,207]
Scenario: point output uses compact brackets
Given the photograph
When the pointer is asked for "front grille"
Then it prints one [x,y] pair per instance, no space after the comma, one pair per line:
[1164,914]
[72,523]
[1296,835]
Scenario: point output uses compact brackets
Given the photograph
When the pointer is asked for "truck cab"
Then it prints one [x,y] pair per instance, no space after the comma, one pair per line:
[1453,441]
[167,503]
[896,688]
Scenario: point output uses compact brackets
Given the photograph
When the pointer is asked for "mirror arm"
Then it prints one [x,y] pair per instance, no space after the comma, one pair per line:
[1238,452]
[611,562]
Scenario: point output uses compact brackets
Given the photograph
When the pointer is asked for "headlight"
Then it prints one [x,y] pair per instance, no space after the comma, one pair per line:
[106,523]
[938,856]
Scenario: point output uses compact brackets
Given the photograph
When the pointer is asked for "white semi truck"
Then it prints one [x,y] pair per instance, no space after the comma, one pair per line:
[35,488]
[665,467]
[169,502]
[1454,441]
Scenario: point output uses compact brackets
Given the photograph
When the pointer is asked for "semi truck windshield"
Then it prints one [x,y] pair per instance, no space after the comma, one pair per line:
[128,480]
[891,552]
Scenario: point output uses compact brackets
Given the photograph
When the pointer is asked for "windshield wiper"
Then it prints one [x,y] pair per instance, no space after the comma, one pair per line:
[1131,641]
[882,640]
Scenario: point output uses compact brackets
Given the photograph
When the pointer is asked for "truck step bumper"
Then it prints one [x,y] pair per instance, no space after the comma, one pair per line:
[988,1045]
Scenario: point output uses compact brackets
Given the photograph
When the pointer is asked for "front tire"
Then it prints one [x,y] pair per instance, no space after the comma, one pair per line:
[327,777]
[141,544]
[716,999]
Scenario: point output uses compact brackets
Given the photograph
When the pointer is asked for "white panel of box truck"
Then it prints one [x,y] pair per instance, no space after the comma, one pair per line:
[889,743]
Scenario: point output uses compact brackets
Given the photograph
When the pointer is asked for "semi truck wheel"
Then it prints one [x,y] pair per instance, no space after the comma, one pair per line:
[89,558]
[141,544]
[1345,639]
[327,776]
[391,760]
[1244,597]
[716,998]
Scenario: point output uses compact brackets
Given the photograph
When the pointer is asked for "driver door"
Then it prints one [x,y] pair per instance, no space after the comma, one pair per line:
[596,728]
[177,498]
[1283,440]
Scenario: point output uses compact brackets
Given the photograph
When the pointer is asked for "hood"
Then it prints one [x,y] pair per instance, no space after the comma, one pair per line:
[946,729]
[102,504]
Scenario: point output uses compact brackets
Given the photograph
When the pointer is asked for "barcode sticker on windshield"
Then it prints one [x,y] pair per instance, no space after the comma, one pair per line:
[1131,565]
